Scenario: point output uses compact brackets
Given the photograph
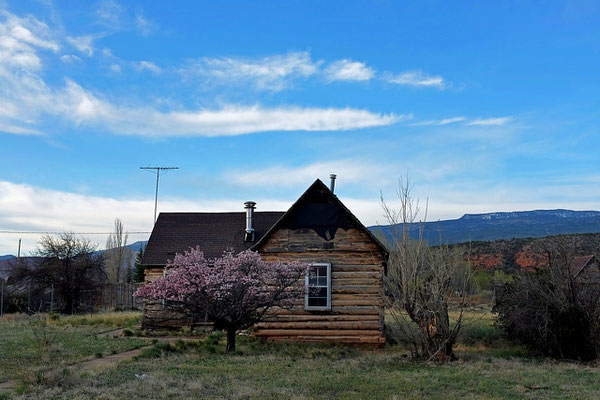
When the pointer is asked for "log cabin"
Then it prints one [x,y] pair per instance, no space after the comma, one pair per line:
[343,302]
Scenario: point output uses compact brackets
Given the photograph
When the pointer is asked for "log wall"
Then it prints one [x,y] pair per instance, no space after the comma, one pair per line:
[156,315]
[357,264]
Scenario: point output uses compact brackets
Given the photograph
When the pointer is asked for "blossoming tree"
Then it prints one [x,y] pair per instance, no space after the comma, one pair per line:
[234,291]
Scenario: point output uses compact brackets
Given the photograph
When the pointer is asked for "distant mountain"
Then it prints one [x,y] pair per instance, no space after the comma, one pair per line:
[503,225]
[135,247]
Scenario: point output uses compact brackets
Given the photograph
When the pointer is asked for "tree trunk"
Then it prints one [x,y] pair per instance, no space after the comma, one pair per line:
[435,331]
[230,339]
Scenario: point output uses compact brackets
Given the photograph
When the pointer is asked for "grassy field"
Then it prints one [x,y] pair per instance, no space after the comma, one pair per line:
[489,368]
[31,343]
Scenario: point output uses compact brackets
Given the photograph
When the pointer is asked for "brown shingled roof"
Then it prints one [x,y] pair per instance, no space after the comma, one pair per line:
[213,232]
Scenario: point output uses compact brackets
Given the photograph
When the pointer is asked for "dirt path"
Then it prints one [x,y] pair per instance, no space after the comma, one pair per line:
[107,361]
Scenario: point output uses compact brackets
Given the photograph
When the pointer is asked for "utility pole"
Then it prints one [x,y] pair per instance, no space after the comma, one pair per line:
[19,250]
[157,169]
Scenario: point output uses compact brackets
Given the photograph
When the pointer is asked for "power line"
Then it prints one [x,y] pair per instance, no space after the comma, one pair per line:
[74,233]
[157,169]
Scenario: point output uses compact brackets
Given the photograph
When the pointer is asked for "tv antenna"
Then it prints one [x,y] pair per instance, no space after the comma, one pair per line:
[157,169]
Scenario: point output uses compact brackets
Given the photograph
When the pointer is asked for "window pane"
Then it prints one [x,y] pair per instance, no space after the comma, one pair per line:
[317,302]
[318,291]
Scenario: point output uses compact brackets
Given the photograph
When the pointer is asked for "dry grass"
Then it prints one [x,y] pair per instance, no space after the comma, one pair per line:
[264,371]
[489,368]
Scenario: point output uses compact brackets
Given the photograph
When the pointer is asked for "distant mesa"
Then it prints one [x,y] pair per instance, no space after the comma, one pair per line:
[504,225]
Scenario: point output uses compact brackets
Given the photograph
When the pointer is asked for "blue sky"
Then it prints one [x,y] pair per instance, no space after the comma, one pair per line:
[489,106]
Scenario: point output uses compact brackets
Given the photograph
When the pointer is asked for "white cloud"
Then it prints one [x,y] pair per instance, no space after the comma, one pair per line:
[31,208]
[490,121]
[20,40]
[84,44]
[445,121]
[109,12]
[417,79]
[144,25]
[30,99]
[116,68]
[69,58]
[148,66]
[349,171]
[18,130]
[348,70]
[25,207]
[83,107]
[271,73]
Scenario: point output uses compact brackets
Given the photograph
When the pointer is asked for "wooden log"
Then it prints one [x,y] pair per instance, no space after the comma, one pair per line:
[356,258]
[351,289]
[338,272]
[329,339]
[352,301]
[356,282]
[347,310]
[326,317]
[335,325]
[318,332]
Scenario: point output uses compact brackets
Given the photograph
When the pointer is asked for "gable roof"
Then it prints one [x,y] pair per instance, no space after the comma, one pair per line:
[215,233]
[579,263]
[321,217]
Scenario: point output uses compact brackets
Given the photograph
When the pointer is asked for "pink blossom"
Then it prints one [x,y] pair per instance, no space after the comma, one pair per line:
[234,291]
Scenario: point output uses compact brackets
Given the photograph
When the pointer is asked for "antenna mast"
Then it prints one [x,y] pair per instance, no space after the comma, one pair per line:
[157,169]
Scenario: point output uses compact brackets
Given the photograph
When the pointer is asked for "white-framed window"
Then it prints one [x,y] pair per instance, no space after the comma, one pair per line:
[318,287]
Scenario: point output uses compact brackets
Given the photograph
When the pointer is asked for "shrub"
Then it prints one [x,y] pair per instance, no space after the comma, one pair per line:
[550,311]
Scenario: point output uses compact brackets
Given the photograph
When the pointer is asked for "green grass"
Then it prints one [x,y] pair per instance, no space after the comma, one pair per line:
[26,345]
[264,371]
[489,367]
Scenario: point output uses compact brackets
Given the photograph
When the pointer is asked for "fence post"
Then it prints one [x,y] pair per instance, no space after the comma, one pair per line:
[2,298]
[28,299]
[52,297]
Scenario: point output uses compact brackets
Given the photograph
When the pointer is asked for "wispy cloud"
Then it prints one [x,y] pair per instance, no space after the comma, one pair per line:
[348,70]
[31,99]
[109,13]
[272,73]
[84,44]
[416,79]
[497,121]
[69,58]
[490,121]
[352,171]
[144,25]
[82,107]
[445,121]
[148,66]
[116,68]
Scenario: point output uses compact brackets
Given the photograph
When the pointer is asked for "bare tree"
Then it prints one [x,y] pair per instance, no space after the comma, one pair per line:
[420,282]
[67,263]
[117,255]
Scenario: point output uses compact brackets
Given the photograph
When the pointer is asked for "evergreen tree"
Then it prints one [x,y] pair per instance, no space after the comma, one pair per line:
[139,268]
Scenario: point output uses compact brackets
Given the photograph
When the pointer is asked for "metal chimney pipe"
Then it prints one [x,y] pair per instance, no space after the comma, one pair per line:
[332,182]
[249,206]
